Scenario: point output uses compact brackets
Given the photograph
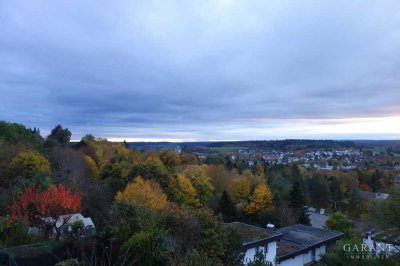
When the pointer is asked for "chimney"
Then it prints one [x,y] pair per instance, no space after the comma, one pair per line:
[270,227]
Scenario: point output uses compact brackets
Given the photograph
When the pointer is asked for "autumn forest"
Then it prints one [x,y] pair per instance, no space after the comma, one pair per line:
[154,207]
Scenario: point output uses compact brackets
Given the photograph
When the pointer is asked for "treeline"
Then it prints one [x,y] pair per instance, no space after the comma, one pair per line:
[286,145]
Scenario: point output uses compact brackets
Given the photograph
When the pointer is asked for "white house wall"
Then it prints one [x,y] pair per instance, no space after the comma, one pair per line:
[269,256]
[319,252]
[307,258]
[249,256]
[296,261]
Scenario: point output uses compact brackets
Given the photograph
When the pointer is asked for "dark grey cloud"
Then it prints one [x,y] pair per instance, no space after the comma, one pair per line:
[200,69]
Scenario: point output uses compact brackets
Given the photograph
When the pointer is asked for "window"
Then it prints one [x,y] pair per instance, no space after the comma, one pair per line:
[313,255]
[266,248]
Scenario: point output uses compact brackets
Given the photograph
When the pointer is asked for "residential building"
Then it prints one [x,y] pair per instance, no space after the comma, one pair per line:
[373,195]
[87,222]
[257,239]
[304,244]
[67,221]
[294,245]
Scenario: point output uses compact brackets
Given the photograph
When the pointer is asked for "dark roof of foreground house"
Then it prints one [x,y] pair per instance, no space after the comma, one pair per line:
[254,235]
[298,239]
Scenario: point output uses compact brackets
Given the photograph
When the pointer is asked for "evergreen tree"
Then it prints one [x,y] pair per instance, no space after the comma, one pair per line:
[297,204]
[303,216]
[227,207]
[374,180]
[296,197]
[296,174]
[355,202]
[277,199]
[319,192]
[336,193]
[229,164]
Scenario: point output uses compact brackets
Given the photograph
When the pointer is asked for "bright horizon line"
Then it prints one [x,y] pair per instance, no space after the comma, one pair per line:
[230,140]
[352,128]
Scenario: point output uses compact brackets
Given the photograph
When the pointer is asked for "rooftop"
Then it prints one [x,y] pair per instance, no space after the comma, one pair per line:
[287,247]
[300,238]
[253,234]
[307,235]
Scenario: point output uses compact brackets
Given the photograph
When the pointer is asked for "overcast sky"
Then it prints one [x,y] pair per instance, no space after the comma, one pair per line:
[203,70]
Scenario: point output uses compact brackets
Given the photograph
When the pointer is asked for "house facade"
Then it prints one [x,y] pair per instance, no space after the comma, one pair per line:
[66,224]
[87,223]
[294,245]
[257,239]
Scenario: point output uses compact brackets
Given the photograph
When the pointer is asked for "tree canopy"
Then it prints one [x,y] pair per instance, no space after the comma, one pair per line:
[145,192]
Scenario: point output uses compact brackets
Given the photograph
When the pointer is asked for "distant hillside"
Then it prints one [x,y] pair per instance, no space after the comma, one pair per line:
[165,145]
[290,144]
[377,143]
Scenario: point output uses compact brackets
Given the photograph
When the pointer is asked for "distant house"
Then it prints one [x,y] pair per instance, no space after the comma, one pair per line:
[295,245]
[87,222]
[71,219]
[292,159]
[326,167]
[373,195]
[201,155]
[178,150]
[397,179]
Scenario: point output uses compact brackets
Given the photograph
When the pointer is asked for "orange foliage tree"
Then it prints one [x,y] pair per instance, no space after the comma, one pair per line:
[52,206]
[365,187]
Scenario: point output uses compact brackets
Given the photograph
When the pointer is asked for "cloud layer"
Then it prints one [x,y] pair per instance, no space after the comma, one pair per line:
[202,70]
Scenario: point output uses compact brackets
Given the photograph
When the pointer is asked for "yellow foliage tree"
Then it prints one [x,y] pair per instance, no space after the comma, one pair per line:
[144,192]
[29,163]
[93,170]
[186,193]
[241,189]
[259,169]
[200,181]
[254,180]
[260,200]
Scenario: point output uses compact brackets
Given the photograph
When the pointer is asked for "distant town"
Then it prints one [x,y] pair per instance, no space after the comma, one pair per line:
[333,155]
